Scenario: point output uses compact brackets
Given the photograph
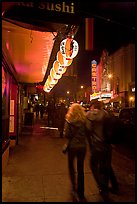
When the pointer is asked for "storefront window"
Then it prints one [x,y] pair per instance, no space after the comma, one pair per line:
[5,106]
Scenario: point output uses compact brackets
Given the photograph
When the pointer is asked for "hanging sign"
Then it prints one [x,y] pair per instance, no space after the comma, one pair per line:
[46,88]
[59,69]
[50,86]
[69,48]
[55,75]
[51,80]
[62,60]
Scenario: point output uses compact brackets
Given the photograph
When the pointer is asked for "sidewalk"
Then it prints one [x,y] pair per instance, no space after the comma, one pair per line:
[37,171]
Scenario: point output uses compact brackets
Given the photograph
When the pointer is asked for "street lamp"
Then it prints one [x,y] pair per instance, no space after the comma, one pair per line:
[131,99]
[68,99]
[114,83]
[110,81]
[110,76]
[82,92]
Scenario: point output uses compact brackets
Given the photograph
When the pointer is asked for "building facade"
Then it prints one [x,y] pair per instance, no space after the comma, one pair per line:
[123,76]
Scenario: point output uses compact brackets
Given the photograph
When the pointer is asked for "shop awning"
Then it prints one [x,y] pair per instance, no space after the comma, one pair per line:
[30,39]
[116,99]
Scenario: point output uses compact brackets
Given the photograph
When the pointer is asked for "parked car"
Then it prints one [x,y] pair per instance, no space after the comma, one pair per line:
[86,107]
[127,117]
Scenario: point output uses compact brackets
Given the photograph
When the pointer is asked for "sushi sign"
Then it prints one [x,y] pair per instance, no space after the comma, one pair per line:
[94,75]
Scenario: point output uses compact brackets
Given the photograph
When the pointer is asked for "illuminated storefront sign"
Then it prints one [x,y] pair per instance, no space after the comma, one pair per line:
[47,11]
[106,95]
[95,96]
[62,60]
[3,81]
[59,69]
[94,75]
[100,96]
[69,48]
[50,6]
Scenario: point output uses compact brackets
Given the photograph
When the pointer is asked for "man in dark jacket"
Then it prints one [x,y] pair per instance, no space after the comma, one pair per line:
[100,148]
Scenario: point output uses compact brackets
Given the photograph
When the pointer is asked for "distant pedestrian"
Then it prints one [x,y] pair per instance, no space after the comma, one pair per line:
[51,112]
[37,110]
[41,110]
[75,131]
[101,150]
[61,112]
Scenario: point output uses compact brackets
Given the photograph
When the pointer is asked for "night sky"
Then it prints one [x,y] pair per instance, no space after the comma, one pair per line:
[114,26]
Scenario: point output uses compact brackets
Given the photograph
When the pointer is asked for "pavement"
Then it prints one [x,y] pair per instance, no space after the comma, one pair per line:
[37,170]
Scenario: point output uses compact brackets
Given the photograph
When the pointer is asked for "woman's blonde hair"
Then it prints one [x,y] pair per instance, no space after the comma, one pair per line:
[76,113]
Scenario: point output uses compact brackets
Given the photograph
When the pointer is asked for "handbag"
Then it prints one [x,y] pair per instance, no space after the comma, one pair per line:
[65,148]
[66,145]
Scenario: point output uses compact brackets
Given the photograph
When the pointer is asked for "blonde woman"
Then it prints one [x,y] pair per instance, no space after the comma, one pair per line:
[75,131]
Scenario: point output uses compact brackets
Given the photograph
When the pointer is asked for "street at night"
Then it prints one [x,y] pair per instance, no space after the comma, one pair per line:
[37,170]
[68,74]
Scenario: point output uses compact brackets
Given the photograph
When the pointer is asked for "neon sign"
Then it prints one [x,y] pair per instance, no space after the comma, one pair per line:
[94,75]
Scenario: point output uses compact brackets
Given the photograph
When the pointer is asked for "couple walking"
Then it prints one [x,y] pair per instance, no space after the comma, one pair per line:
[79,128]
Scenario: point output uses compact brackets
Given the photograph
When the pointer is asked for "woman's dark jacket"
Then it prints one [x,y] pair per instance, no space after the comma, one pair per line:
[75,131]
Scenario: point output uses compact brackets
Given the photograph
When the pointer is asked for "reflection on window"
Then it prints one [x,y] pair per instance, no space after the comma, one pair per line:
[5,107]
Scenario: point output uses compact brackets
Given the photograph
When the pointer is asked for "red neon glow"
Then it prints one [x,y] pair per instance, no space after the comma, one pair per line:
[89,33]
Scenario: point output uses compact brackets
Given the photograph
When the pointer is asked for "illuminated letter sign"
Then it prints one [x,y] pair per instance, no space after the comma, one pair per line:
[94,75]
